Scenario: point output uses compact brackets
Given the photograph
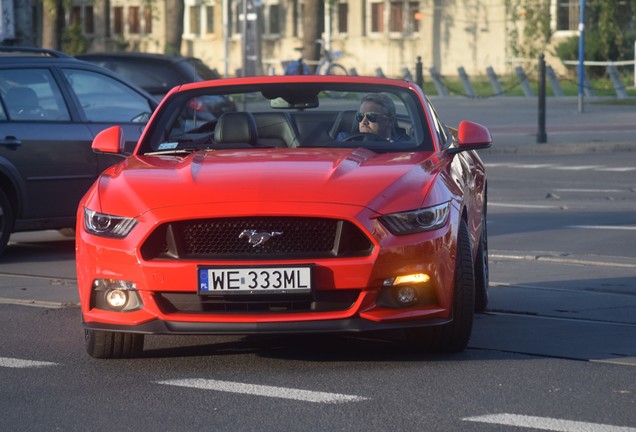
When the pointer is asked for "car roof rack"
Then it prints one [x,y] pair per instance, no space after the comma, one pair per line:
[21,51]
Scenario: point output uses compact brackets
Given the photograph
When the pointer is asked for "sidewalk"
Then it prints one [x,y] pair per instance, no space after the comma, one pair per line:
[604,124]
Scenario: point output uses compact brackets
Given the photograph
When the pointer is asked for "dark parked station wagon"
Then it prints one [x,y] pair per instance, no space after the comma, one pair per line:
[51,107]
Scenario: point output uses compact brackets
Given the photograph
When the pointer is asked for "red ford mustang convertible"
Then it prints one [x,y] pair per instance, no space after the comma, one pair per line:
[323,204]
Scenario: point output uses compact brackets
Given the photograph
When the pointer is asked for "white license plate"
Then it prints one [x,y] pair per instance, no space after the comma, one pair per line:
[257,280]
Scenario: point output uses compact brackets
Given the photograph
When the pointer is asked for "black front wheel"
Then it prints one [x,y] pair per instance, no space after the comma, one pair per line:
[113,345]
[454,336]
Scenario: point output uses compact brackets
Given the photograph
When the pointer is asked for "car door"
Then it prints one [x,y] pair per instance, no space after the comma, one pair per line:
[43,150]
[105,101]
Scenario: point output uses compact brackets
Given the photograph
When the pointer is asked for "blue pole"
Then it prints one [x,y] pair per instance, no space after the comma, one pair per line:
[581,53]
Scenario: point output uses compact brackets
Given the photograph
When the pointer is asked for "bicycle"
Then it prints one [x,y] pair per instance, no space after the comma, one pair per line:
[326,66]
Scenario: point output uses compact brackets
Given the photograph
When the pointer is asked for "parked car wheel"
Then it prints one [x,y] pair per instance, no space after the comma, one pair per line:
[6,221]
[104,344]
[454,336]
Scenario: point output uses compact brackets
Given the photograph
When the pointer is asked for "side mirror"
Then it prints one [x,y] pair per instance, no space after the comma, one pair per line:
[110,140]
[471,136]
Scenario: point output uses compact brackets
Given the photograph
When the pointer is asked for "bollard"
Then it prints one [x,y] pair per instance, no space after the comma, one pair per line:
[468,86]
[437,80]
[541,135]
[554,81]
[616,82]
[419,72]
[406,74]
[494,81]
[523,80]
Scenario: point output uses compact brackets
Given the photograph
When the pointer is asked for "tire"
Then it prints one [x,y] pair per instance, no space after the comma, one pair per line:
[482,271]
[110,345]
[6,221]
[336,69]
[454,336]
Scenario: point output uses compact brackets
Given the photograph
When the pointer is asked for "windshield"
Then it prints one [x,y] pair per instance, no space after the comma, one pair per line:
[290,115]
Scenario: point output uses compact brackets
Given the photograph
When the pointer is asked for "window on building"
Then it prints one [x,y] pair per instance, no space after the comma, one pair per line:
[343,16]
[401,22]
[567,14]
[209,19]
[377,17]
[396,16]
[118,18]
[76,15]
[147,19]
[89,20]
[274,19]
[134,21]
[403,16]
[195,20]
[414,16]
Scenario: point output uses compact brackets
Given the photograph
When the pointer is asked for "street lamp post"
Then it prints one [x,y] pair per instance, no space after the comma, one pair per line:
[581,53]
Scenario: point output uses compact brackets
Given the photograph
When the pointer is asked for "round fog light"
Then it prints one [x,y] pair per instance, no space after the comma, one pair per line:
[406,295]
[116,298]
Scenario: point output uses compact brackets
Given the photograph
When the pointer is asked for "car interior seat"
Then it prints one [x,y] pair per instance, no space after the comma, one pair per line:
[236,128]
[23,104]
[276,130]
[345,122]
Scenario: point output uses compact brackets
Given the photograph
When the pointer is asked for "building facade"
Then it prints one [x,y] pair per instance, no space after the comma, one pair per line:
[371,36]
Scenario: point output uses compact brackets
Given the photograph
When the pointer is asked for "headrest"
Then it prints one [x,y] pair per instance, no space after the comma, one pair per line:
[236,127]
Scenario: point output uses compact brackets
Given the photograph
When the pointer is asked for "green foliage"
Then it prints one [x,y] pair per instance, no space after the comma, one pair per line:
[529,31]
[73,41]
[610,18]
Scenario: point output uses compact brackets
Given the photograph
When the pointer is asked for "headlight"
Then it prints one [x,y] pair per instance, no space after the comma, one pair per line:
[415,221]
[106,225]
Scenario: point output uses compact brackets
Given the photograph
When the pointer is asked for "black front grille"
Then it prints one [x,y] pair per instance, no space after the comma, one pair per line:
[319,301]
[238,238]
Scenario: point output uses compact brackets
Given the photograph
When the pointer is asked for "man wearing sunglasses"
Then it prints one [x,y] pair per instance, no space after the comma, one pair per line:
[377,116]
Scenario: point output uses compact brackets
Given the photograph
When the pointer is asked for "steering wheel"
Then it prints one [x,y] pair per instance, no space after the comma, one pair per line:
[365,136]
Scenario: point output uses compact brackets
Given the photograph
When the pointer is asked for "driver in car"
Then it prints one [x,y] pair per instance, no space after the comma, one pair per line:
[377,116]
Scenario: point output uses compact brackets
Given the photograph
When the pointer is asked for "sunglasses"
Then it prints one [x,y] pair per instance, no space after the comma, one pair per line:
[372,117]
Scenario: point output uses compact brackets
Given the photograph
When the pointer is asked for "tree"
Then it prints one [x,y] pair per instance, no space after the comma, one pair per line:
[52,24]
[612,19]
[312,28]
[174,26]
[529,33]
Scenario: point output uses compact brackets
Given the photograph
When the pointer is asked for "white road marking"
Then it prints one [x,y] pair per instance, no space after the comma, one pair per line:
[36,303]
[547,423]
[578,167]
[561,260]
[591,190]
[561,167]
[617,169]
[261,390]
[604,227]
[525,206]
[623,361]
[18,363]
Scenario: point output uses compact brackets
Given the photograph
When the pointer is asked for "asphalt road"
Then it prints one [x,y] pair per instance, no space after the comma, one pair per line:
[556,349]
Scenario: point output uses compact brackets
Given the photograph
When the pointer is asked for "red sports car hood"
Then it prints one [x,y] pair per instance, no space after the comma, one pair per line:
[381,182]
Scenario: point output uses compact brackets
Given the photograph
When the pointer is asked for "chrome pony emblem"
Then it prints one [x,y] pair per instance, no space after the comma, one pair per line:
[258,238]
